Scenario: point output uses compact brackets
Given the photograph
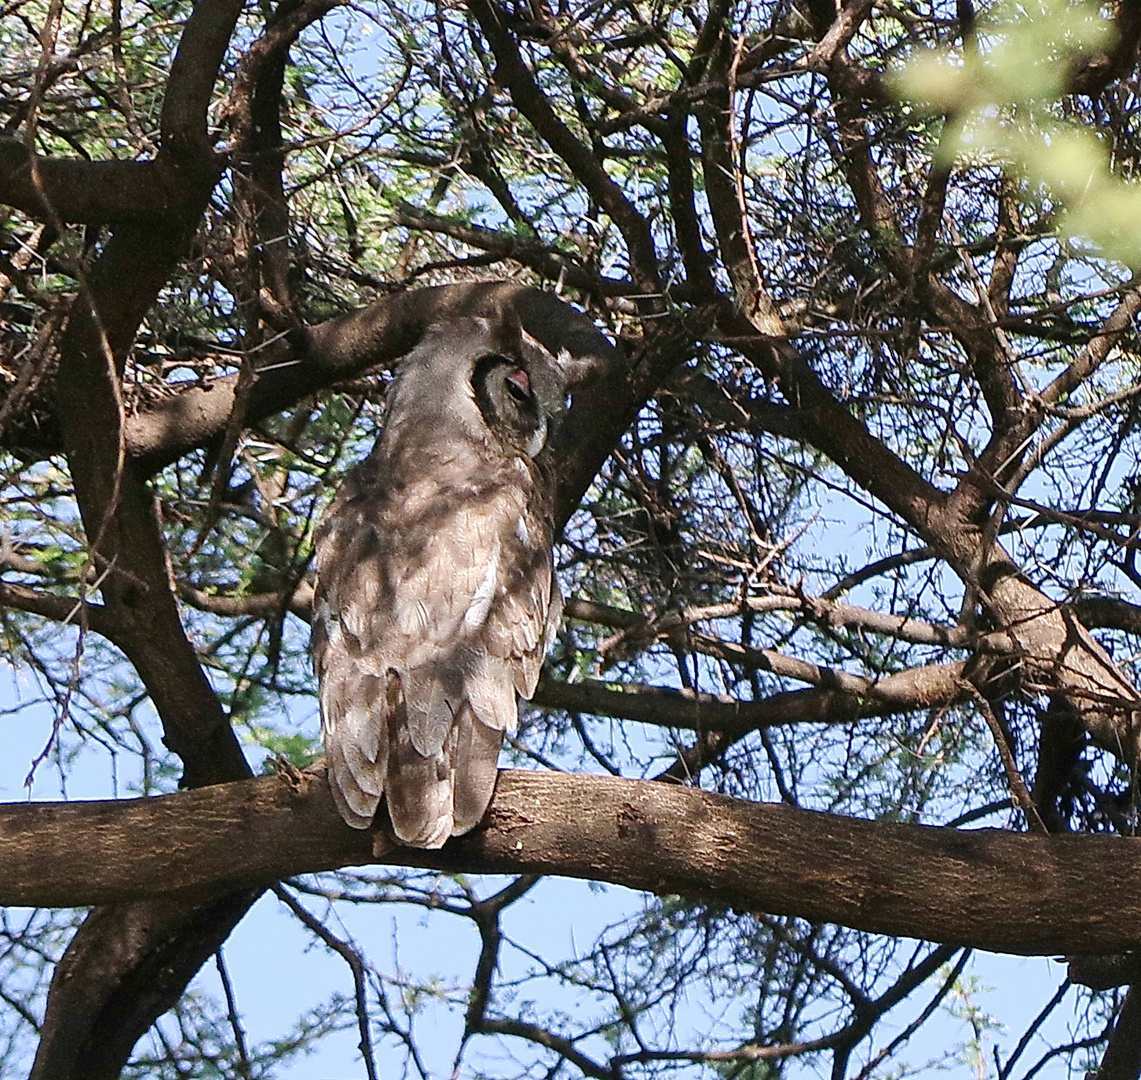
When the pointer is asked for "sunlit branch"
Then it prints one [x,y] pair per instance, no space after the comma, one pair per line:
[907,691]
[986,888]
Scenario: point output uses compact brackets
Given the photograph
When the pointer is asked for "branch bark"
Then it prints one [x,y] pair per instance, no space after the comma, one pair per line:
[985,888]
[91,192]
[934,686]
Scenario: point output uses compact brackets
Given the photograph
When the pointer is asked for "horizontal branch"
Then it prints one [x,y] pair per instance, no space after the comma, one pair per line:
[321,356]
[933,686]
[299,602]
[985,888]
[64,609]
[1108,613]
[92,192]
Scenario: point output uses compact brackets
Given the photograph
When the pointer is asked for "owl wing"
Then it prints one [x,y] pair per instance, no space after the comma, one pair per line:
[520,624]
[431,614]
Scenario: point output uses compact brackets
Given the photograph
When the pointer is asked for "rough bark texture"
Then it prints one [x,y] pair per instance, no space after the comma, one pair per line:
[143,954]
[986,888]
[125,966]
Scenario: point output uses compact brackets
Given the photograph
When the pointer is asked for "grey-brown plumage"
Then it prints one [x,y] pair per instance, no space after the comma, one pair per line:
[435,595]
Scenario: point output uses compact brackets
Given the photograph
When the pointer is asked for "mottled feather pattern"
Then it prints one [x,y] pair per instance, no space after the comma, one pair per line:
[435,600]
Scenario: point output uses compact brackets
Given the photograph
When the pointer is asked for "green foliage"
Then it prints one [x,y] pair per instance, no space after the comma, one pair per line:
[1000,93]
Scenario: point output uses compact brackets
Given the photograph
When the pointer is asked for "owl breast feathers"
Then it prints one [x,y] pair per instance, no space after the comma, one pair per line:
[435,596]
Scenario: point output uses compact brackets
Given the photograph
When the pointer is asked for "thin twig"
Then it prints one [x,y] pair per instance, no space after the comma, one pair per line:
[243,1063]
[1018,789]
[356,965]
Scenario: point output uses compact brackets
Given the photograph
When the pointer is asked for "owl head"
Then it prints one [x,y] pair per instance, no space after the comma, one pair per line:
[520,397]
[492,377]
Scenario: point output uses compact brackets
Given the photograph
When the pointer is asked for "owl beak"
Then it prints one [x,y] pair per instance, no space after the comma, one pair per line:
[538,438]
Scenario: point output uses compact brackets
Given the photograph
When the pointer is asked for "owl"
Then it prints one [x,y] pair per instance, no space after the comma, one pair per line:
[435,596]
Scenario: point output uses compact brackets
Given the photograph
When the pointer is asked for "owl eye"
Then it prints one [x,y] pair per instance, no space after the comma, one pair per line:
[519,386]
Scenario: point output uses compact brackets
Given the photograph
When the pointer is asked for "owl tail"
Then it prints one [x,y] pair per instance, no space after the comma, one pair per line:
[419,788]
[356,806]
[353,751]
[477,769]
[431,797]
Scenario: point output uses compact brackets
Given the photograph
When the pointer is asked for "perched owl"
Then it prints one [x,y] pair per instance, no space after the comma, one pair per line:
[435,596]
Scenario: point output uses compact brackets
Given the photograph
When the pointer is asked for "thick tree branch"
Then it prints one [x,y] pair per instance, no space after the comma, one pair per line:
[116,192]
[128,964]
[1098,348]
[1109,612]
[1122,1060]
[118,510]
[91,192]
[193,72]
[986,888]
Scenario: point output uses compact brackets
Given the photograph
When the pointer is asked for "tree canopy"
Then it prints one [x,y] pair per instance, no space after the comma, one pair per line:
[847,682]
